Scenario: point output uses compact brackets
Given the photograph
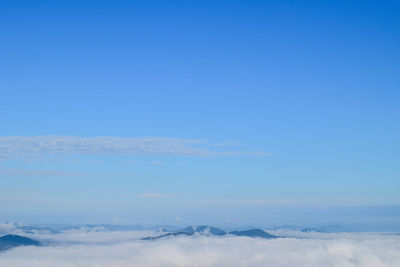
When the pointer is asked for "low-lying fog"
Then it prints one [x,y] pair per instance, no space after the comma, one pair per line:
[100,247]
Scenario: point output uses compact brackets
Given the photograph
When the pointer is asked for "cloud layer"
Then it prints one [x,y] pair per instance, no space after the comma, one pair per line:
[80,248]
[15,146]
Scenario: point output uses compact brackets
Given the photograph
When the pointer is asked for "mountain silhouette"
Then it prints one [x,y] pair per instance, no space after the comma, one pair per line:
[12,241]
[212,231]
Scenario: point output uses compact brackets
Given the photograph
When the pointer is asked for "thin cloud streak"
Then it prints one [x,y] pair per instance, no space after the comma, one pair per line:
[33,147]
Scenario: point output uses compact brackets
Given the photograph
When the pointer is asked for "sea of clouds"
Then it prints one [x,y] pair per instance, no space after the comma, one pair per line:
[99,247]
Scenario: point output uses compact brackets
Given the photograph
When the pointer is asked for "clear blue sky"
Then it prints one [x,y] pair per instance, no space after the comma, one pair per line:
[296,103]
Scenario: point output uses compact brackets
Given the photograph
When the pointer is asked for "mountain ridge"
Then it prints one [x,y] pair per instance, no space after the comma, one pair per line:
[12,241]
[213,231]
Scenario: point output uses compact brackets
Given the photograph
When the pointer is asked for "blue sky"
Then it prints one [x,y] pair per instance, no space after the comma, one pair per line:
[280,104]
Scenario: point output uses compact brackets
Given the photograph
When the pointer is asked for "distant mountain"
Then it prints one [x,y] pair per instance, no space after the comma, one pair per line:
[165,235]
[32,229]
[212,231]
[191,230]
[328,229]
[205,230]
[12,241]
[115,227]
[286,227]
[253,233]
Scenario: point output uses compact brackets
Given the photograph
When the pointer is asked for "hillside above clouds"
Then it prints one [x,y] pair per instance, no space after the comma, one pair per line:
[212,231]
[12,241]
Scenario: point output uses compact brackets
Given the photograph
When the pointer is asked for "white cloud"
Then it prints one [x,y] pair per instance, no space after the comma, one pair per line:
[6,227]
[16,146]
[89,248]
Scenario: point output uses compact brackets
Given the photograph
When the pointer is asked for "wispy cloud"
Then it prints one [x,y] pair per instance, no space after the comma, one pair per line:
[15,146]
[31,147]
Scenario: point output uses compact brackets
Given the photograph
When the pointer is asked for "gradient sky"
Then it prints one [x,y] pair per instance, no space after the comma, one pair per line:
[293,103]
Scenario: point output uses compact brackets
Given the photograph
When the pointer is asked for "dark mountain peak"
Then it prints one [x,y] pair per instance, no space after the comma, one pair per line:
[12,241]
